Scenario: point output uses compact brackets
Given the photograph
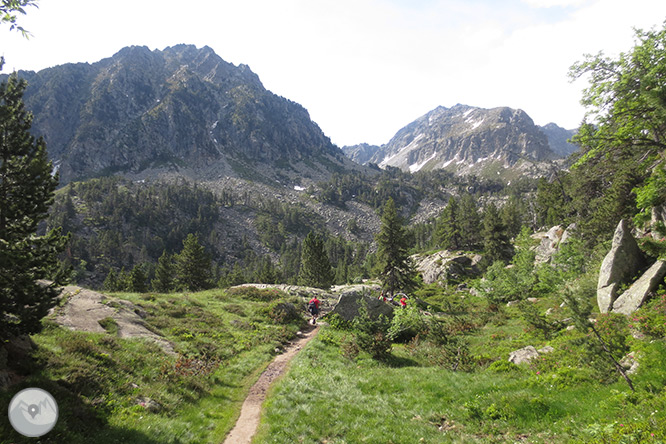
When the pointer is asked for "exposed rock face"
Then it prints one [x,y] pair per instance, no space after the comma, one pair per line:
[633,298]
[525,354]
[620,265]
[361,153]
[349,303]
[180,107]
[445,265]
[558,138]
[467,140]
[85,308]
[551,241]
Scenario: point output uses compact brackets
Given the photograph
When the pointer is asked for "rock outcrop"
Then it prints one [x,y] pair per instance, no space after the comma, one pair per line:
[446,266]
[470,140]
[350,302]
[619,267]
[85,309]
[629,301]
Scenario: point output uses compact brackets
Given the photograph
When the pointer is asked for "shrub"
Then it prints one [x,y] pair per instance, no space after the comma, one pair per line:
[372,335]
[109,324]
[503,366]
[406,324]
[651,318]
[284,313]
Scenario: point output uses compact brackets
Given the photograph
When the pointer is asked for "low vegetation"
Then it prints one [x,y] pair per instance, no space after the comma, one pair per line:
[131,390]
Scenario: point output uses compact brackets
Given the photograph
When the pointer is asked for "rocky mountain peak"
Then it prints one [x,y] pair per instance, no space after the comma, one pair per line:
[465,140]
[179,108]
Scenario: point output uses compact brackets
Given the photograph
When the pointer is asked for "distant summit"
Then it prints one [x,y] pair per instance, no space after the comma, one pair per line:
[182,108]
[470,140]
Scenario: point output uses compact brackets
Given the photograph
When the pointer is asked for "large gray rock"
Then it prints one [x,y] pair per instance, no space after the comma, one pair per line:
[620,265]
[525,354]
[349,303]
[551,241]
[446,265]
[634,297]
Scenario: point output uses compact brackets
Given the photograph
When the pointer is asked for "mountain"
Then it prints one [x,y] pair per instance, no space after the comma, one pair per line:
[181,109]
[470,140]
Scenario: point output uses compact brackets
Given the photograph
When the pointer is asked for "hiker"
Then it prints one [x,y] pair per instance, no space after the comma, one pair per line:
[313,308]
[403,301]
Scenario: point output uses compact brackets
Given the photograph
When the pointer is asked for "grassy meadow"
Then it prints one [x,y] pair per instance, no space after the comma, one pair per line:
[434,378]
[129,390]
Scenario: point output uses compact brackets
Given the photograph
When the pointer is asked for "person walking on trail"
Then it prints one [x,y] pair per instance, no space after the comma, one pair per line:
[313,308]
[403,301]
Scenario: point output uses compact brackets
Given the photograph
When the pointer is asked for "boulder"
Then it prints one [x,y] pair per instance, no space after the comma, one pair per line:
[549,244]
[350,302]
[525,354]
[446,265]
[620,265]
[551,241]
[634,297]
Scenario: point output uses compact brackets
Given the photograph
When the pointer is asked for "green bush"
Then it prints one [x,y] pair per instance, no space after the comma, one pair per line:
[651,318]
[503,366]
[406,324]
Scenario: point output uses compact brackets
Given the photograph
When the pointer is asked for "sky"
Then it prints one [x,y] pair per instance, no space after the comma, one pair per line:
[362,68]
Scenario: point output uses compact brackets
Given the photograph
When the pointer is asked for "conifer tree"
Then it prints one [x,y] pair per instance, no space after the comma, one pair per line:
[192,265]
[164,279]
[395,266]
[316,270]
[26,192]
[448,226]
[470,222]
[137,280]
[496,243]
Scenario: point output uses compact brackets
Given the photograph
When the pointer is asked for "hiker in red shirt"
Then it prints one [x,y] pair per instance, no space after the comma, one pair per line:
[403,301]
[313,308]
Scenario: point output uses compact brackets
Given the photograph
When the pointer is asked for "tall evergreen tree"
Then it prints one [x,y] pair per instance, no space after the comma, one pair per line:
[395,266]
[26,192]
[316,270]
[193,265]
[448,226]
[496,243]
[470,222]
[164,279]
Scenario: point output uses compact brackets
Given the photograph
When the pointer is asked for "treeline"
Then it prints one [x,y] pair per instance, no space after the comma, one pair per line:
[122,228]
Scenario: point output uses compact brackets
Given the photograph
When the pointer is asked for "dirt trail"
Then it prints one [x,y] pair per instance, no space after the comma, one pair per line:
[247,423]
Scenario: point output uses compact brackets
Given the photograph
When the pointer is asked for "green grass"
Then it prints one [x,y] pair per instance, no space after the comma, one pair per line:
[120,390]
[129,390]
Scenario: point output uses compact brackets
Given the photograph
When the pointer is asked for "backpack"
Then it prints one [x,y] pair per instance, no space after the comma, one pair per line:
[312,306]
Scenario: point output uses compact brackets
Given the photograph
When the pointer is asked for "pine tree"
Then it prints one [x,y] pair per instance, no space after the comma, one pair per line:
[164,279]
[496,243]
[316,268]
[448,226]
[137,280]
[26,192]
[192,265]
[395,267]
[470,222]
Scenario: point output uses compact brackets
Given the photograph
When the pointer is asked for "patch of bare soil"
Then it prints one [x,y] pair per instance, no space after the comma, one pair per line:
[247,423]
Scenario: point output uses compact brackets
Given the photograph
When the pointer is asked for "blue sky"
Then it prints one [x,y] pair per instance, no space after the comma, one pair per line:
[362,68]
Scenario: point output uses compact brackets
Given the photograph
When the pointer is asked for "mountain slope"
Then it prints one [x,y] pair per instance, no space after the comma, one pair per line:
[469,140]
[180,108]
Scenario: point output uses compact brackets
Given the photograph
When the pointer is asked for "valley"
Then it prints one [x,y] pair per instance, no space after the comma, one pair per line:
[196,210]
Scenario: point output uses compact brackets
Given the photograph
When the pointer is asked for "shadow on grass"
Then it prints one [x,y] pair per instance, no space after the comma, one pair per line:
[78,421]
[400,362]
